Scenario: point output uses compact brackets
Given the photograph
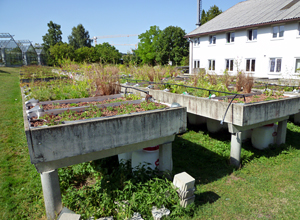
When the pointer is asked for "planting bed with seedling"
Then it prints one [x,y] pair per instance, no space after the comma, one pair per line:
[38,73]
[71,131]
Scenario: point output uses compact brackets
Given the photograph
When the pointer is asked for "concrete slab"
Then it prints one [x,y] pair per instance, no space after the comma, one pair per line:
[136,216]
[185,202]
[183,181]
[67,214]
[106,218]
[186,194]
[158,214]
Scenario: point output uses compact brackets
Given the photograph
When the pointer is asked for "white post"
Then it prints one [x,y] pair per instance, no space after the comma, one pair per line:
[235,151]
[52,195]
[281,132]
[191,58]
[165,157]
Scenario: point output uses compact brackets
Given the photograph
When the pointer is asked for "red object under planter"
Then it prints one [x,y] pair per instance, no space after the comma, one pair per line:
[151,148]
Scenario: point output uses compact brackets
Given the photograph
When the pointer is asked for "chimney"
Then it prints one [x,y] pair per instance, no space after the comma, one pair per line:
[199,10]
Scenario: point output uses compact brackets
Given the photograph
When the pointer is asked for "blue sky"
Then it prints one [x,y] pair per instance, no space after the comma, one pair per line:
[27,19]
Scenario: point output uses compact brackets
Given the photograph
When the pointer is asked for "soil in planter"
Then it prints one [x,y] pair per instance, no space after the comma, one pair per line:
[257,98]
[80,104]
[94,112]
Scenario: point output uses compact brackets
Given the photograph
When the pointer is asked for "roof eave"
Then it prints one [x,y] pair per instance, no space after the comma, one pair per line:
[242,27]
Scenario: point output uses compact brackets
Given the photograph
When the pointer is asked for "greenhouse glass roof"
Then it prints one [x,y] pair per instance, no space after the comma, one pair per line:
[10,52]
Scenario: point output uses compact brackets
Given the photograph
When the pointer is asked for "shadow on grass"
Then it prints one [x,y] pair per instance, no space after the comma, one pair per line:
[292,140]
[202,164]
[2,71]
[206,166]
[222,135]
[206,197]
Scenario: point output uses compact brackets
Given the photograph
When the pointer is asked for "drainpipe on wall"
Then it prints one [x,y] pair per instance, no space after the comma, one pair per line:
[191,57]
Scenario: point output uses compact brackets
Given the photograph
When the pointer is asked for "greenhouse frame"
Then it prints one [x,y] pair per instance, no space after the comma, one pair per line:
[41,55]
[30,56]
[10,52]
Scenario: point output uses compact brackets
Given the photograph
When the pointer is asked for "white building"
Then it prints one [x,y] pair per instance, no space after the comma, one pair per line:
[257,36]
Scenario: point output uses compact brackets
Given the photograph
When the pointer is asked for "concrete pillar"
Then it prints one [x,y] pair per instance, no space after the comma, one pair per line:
[281,132]
[235,151]
[52,195]
[165,157]
[297,118]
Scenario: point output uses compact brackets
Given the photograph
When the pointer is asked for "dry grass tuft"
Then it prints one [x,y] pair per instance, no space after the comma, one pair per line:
[244,81]
[104,80]
[212,78]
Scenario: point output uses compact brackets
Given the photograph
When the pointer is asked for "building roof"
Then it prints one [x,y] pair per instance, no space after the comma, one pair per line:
[251,13]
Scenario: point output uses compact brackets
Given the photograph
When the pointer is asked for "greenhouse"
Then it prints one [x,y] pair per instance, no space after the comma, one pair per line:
[10,52]
[29,54]
[41,55]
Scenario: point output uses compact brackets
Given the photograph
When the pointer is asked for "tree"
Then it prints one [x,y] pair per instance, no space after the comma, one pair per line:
[107,53]
[79,37]
[210,14]
[203,17]
[60,52]
[147,47]
[53,36]
[131,58]
[171,45]
[86,54]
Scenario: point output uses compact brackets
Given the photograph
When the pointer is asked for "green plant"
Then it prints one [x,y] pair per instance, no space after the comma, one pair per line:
[268,92]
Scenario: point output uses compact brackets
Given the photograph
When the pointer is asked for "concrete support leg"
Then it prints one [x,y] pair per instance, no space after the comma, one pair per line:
[235,151]
[52,195]
[297,118]
[281,132]
[165,157]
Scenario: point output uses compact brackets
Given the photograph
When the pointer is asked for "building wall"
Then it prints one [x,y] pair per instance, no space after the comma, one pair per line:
[265,47]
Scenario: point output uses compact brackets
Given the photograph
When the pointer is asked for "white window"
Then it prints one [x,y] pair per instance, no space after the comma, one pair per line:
[230,37]
[252,34]
[229,64]
[250,65]
[299,29]
[275,65]
[211,64]
[297,66]
[195,41]
[278,31]
[212,39]
[198,40]
[196,63]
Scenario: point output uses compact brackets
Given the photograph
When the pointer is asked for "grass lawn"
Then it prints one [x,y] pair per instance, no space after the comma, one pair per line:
[266,187]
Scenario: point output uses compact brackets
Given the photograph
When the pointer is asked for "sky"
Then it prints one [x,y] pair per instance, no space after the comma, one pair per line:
[28,19]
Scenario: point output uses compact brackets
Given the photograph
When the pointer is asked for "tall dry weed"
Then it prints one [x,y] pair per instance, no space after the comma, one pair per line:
[248,83]
[104,80]
[244,81]
[212,78]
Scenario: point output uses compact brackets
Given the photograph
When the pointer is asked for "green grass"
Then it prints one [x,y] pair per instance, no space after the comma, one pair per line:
[20,188]
[266,187]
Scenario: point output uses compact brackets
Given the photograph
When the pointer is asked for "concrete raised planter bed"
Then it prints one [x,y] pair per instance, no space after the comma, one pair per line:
[239,117]
[67,144]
